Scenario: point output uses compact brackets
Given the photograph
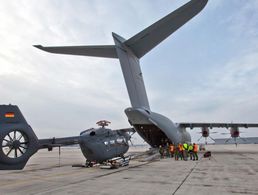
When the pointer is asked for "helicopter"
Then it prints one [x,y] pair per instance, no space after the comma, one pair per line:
[18,141]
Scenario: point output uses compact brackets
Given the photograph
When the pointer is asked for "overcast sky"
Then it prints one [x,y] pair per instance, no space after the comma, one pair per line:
[205,72]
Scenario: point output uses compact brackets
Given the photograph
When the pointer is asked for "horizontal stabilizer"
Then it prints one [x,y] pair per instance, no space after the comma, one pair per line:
[106,51]
[147,39]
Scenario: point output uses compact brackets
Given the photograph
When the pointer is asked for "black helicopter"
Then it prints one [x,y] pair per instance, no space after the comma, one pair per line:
[19,142]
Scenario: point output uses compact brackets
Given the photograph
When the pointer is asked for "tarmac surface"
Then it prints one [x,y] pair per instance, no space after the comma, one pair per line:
[231,170]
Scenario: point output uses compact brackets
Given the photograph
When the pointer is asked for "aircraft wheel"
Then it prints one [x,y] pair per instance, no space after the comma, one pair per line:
[89,164]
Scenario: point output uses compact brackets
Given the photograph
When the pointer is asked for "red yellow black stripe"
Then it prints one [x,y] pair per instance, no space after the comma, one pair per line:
[9,115]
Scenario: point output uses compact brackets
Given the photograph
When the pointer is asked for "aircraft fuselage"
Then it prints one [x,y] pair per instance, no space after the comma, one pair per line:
[155,128]
[103,144]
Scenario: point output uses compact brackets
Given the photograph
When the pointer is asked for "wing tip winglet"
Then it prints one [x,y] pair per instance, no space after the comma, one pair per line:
[46,49]
[39,47]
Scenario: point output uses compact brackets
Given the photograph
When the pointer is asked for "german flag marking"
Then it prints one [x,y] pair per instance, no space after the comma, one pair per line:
[9,115]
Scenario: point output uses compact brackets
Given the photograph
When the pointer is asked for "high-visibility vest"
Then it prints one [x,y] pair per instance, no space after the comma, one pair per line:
[171,147]
[190,148]
[185,145]
[195,148]
[180,147]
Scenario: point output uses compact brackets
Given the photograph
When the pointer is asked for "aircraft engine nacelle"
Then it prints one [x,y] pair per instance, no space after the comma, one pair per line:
[18,142]
[205,132]
[234,131]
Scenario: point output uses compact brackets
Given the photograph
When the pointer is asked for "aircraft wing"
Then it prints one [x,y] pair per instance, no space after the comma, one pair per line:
[246,140]
[216,125]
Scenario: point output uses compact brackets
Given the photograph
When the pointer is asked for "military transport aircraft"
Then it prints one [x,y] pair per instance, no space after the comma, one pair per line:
[151,126]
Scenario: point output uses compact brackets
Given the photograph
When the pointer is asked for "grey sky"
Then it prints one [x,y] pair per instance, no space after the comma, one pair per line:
[206,71]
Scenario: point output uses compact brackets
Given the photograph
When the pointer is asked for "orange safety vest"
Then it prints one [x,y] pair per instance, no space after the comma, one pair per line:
[195,148]
[180,146]
[171,147]
[183,148]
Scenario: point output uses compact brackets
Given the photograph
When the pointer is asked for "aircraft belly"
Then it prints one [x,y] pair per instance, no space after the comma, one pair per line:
[155,128]
[96,150]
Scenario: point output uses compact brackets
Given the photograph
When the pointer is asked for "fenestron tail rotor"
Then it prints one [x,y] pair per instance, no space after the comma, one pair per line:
[15,144]
[18,141]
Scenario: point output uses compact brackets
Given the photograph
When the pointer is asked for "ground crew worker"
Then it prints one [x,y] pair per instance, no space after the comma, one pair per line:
[172,150]
[161,151]
[195,151]
[177,152]
[180,146]
[167,150]
[185,151]
[190,151]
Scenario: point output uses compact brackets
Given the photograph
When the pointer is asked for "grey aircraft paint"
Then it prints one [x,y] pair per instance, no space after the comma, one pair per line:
[152,127]
[103,144]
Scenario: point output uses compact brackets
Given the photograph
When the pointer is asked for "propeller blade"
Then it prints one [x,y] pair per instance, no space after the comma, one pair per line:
[243,139]
[211,138]
[199,138]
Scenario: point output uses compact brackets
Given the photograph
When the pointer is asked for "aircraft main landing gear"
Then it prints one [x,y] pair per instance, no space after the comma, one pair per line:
[89,163]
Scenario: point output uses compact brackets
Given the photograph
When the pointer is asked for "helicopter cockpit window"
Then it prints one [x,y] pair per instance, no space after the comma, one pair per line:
[92,133]
[119,140]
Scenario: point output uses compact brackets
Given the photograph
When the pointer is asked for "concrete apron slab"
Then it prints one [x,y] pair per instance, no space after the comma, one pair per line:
[230,171]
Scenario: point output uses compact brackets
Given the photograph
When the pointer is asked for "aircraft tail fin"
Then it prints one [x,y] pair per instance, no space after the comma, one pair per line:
[147,39]
[130,51]
[106,51]
[18,142]
[10,114]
